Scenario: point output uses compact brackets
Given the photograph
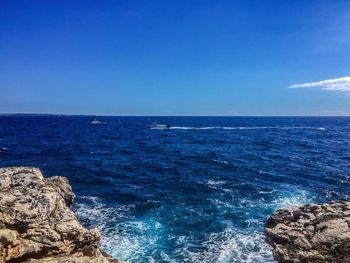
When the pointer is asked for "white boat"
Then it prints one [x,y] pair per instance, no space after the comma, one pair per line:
[157,126]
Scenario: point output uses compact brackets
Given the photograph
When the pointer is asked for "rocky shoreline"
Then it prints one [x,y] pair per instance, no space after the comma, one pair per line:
[311,233]
[36,224]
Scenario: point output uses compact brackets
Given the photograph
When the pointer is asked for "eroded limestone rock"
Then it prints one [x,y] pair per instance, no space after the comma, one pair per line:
[311,233]
[36,224]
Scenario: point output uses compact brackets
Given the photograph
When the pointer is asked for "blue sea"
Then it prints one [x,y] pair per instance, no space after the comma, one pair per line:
[198,192]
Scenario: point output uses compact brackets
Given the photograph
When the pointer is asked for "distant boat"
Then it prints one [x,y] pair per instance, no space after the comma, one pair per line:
[157,126]
[96,122]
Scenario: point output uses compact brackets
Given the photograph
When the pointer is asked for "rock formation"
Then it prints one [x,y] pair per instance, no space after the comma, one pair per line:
[311,233]
[36,224]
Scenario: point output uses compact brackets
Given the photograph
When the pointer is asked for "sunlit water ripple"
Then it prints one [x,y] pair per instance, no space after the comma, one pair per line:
[198,192]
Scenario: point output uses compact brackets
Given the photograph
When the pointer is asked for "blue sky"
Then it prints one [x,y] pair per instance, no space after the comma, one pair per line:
[175,57]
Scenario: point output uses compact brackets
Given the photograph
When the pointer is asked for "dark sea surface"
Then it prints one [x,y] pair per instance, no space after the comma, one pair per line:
[199,192]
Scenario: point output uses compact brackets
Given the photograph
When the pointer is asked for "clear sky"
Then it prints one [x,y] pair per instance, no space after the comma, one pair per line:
[190,57]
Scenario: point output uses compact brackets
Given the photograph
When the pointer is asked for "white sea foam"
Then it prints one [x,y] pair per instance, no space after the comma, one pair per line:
[129,238]
[296,197]
[253,222]
[282,198]
[232,245]
[220,161]
[215,184]
[123,236]
[133,239]
[267,192]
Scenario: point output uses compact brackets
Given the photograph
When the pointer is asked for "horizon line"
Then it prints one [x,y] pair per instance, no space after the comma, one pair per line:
[135,115]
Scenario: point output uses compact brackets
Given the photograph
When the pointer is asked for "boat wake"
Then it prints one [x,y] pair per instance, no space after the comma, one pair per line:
[246,128]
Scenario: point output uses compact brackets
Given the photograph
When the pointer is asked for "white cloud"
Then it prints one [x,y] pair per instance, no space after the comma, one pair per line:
[339,84]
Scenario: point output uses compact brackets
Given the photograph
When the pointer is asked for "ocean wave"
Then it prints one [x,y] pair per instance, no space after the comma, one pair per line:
[136,237]
[273,199]
[295,198]
[141,239]
[123,236]
[232,245]
[213,182]
[220,161]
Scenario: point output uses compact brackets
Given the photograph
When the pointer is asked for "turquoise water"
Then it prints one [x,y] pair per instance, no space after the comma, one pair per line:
[198,192]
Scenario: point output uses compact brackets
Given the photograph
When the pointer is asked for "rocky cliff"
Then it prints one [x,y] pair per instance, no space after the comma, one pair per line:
[36,224]
[311,233]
